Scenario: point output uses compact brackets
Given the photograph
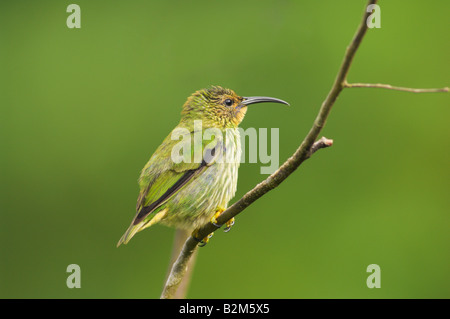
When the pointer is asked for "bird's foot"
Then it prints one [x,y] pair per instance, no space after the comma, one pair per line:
[228,224]
[213,220]
[201,242]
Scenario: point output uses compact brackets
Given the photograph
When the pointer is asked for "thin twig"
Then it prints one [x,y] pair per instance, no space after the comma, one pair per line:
[322,143]
[396,88]
[178,271]
[180,238]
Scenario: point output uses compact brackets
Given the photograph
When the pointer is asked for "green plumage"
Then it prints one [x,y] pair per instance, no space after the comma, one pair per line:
[187,194]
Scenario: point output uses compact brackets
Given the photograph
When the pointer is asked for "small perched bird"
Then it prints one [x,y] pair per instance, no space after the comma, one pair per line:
[190,192]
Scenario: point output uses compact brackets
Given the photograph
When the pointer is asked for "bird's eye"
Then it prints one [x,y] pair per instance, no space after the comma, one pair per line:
[228,102]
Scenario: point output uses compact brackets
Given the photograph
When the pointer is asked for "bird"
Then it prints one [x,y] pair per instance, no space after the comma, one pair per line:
[187,183]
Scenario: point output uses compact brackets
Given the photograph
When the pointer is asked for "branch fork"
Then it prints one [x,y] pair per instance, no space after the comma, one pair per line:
[308,147]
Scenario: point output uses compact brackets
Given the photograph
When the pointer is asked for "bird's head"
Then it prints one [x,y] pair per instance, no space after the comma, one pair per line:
[220,107]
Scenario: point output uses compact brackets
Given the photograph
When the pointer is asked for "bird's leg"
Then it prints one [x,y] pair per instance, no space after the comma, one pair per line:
[204,241]
[228,224]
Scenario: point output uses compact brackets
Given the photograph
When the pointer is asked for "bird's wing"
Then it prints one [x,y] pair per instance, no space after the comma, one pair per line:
[162,178]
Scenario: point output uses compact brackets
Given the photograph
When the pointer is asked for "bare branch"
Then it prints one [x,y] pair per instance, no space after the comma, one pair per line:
[180,238]
[396,88]
[305,150]
[308,147]
[179,268]
[322,143]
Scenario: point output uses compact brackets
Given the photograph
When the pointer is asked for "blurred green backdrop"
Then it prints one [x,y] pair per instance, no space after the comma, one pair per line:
[83,109]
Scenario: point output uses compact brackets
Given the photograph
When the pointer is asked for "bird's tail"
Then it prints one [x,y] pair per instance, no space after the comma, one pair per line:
[147,222]
[131,231]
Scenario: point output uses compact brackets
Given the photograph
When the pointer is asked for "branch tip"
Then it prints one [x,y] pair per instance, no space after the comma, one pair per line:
[323,142]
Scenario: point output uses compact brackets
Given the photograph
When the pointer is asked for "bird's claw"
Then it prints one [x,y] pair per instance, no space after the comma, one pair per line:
[202,242]
[228,225]
[205,240]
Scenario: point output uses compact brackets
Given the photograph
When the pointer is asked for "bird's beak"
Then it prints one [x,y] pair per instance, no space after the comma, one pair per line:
[261,99]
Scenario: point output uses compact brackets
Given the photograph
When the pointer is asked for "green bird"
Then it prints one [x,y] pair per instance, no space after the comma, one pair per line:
[188,183]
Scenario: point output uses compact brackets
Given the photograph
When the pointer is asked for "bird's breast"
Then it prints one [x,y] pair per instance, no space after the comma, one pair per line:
[220,179]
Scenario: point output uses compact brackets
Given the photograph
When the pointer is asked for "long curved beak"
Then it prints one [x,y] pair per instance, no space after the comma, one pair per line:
[261,99]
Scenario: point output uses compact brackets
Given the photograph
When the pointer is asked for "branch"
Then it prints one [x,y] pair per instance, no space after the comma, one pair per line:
[180,237]
[301,154]
[397,88]
[308,147]
[322,143]
[179,267]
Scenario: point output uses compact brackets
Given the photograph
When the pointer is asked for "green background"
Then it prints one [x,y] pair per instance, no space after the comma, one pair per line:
[82,110]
